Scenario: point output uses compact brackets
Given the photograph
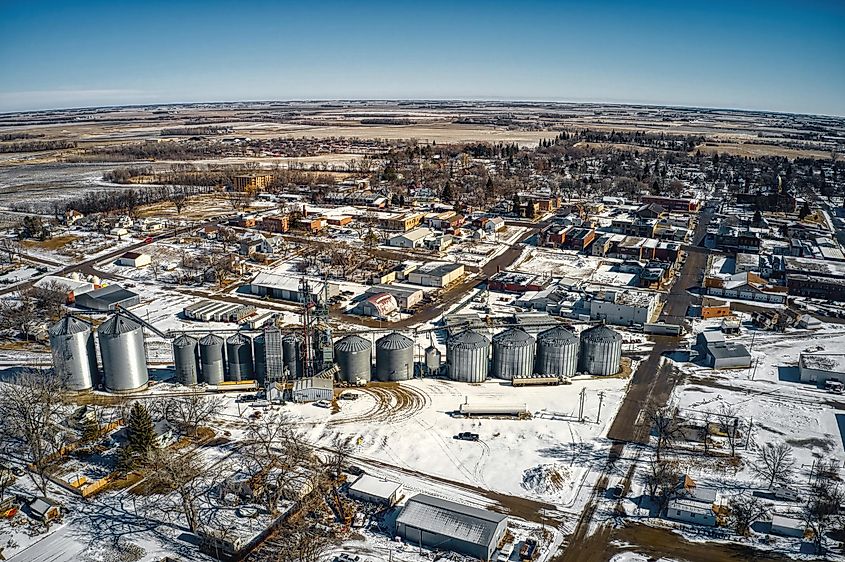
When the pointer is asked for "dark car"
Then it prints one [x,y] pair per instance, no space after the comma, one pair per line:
[355,470]
[467,436]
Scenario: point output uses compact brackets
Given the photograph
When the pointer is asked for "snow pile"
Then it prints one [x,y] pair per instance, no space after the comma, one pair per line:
[545,479]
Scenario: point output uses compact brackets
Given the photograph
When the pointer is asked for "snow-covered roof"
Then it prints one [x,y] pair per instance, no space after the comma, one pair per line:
[830,362]
[449,519]
[371,486]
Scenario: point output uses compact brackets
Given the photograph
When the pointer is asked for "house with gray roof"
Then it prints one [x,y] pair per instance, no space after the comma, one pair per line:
[438,524]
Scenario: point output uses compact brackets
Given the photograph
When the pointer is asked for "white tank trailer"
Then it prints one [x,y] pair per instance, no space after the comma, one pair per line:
[239,355]
[212,359]
[354,355]
[74,356]
[557,352]
[513,354]
[186,360]
[394,358]
[601,351]
[123,354]
[468,356]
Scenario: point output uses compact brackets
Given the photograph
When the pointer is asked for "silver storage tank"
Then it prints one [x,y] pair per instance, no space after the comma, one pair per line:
[394,358]
[601,351]
[513,354]
[186,359]
[468,356]
[557,352]
[212,360]
[258,348]
[239,354]
[354,355]
[433,359]
[292,352]
[124,357]
[74,357]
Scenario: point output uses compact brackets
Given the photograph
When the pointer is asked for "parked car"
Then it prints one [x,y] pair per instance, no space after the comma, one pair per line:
[349,396]
[355,470]
[323,404]
[467,436]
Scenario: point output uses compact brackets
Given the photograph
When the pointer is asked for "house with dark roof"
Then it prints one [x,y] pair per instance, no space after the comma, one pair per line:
[439,524]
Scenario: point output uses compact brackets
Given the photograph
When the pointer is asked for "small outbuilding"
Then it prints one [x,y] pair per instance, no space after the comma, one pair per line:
[374,490]
[134,259]
[787,526]
[44,509]
[728,356]
[312,389]
[821,367]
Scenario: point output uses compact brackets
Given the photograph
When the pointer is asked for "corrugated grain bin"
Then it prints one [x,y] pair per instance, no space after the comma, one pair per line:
[212,359]
[186,360]
[468,356]
[258,349]
[513,354]
[123,353]
[394,358]
[74,356]
[292,351]
[239,355]
[354,356]
[557,352]
[601,351]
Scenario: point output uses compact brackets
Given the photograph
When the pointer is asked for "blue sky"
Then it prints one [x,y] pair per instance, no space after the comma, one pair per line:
[782,56]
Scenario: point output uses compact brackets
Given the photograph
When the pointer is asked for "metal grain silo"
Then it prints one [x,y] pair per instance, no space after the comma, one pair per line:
[354,356]
[468,356]
[258,350]
[124,357]
[292,352]
[239,354]
[601,351]
[433,359]
[557,352]
[74,357]
[513,354]
[394,358]
[211,358]
[186,359]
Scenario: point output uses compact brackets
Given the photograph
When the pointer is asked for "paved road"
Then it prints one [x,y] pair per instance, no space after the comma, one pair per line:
[650,386]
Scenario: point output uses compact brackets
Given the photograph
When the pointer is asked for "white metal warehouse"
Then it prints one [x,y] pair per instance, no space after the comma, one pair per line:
[444,525]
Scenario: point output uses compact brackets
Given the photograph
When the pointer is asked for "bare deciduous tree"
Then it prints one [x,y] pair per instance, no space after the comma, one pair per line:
[774,463]
[745,509]
[665,429]
[823,510]
[189,412]
[662,480]
[170,473]
[31,412]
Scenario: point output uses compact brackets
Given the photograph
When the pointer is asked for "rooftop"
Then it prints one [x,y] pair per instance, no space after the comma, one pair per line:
[376,487]
[469,524]
[831,362]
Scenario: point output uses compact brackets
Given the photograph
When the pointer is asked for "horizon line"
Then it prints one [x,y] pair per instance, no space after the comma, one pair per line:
[440,100]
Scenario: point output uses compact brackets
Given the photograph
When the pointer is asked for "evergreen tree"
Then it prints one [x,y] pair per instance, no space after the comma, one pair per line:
[90,429]
[805,210]
[140,431]
[758,217]
[447,194]
[489,185]
[516,203]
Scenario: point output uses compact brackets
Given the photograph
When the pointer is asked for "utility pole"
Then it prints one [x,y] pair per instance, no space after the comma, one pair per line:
[582,394]
[601,399]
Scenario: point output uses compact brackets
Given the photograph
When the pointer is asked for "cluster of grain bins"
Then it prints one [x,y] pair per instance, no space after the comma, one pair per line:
[556,352]
[394,359]
[207,311]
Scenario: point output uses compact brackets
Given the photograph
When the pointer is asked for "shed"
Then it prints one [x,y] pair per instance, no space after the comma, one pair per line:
[787,526]
[444,525]
[374,490]
[821,367]
[728,356]
[312,389]
[44,509]
[134,259]
[108,298]
[436,274]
